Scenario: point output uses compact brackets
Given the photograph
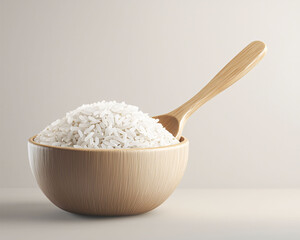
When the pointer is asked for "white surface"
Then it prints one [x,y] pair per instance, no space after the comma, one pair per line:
[56,55]
[188,214]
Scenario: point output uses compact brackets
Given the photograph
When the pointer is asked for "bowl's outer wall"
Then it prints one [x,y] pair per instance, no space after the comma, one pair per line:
[108,182]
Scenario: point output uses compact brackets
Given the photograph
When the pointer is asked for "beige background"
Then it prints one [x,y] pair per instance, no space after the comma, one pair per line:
[57,55]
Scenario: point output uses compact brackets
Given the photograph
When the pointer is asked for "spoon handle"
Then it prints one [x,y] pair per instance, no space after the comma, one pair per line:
[239,66]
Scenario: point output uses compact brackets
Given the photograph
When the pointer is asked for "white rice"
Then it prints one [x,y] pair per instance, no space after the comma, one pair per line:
[106,125]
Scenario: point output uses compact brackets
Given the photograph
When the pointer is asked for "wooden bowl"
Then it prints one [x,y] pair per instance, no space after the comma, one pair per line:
[108,181]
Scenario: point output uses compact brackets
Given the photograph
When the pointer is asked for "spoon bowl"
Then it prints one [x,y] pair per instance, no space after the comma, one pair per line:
[171,123]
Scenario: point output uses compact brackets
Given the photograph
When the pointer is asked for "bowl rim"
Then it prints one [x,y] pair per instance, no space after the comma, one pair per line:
[183,141]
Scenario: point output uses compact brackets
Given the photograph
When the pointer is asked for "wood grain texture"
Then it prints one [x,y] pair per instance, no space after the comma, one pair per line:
[108,182]
[239,66]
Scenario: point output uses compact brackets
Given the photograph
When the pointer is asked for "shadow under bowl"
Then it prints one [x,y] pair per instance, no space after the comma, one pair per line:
[108,182]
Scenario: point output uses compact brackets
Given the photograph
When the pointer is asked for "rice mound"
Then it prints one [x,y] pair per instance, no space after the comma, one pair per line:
[106,125]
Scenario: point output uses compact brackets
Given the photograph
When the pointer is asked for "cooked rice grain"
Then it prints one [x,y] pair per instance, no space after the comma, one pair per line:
[106,125]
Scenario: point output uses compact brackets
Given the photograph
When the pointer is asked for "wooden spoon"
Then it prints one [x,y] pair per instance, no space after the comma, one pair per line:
[239,66]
